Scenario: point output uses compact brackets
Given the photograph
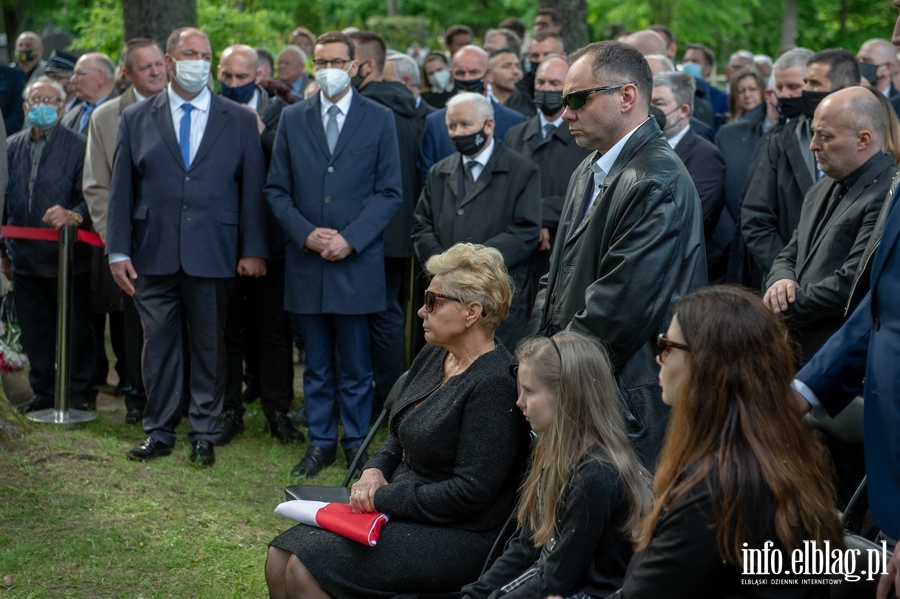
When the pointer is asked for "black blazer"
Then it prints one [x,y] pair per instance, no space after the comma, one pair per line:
[707,168]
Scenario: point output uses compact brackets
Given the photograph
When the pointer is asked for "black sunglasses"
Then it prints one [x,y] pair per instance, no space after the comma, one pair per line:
[663,346]
[429,299]
[576,100]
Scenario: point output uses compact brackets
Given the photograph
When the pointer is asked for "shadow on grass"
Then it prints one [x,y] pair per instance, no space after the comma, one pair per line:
[80,520]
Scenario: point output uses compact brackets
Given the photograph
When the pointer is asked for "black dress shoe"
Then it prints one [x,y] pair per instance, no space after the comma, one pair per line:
[281,428]
[350,454]
[123,388]
[313,462]
[34,403]
[231,424]
[83,403]
[202,453]
[134,415]
[148,450]
[298,417]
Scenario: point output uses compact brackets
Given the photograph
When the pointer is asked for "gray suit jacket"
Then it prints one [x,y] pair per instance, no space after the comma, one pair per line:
[823,257]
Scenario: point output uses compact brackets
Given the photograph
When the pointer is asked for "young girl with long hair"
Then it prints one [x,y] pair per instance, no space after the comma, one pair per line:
[585,493]
[739,467]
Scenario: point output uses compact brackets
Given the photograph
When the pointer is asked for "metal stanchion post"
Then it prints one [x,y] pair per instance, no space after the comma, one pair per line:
[60,412]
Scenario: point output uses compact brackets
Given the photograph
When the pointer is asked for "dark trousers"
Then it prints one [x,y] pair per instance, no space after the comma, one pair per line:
[134,346]
[36,307]
[258,330]
[116,339]
[161,302]
[326,379]
[388,333]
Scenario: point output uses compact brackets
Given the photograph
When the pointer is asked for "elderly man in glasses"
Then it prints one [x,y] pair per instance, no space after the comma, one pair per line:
[44,191]
[630,238]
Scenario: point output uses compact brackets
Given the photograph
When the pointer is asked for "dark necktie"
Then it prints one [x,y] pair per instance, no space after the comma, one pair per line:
[86,110]
[184,141]
[834,199]
[549,128]
[470,179]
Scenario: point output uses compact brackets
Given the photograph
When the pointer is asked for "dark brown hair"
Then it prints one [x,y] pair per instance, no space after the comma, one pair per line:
[331,37]
[735,428]
[373,41]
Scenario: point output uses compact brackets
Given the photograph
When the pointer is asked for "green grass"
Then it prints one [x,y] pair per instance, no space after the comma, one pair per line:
[78,519]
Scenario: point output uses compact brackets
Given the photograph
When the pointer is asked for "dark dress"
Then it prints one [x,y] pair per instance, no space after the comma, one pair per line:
[590,555]
[452,459]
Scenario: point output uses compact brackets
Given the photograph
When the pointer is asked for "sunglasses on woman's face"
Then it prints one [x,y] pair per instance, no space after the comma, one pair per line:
[429,299]
[576,100]
[663,346]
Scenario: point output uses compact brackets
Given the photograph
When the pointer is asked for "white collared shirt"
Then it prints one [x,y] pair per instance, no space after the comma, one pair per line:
[343,105]
[544,121]
[138,97]
[481,160]
[603,164]
[199,116]
[673,141]
[254,101]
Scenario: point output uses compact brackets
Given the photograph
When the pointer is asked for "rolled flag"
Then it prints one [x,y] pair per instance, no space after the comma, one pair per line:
[336,517]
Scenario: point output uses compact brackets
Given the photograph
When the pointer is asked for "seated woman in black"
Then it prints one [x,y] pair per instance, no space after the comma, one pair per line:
[739,467]
[586,492]
[448,470]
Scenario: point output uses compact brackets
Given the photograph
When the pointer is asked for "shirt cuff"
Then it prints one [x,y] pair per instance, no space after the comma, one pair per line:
[118,257]
[803,389]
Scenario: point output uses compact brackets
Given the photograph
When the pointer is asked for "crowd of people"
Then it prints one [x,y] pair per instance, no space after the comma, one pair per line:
[681,272]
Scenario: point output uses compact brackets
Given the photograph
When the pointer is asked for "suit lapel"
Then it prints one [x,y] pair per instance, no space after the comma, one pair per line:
[810,228]
[799,160]
[218,118]
[889,236]
[582,184]
[355,117]
[162,115]
[313,109]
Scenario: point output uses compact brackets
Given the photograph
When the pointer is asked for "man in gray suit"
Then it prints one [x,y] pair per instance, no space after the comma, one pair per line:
[186,214]
[811,280]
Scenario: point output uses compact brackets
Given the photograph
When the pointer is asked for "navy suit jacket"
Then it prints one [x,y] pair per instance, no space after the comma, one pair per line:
[436,144]
[356,190]
[861,357]
[202,219]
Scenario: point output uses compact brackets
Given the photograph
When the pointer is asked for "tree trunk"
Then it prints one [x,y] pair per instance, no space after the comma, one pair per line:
[14,429]
[789,23]
[156,19]
[574,16]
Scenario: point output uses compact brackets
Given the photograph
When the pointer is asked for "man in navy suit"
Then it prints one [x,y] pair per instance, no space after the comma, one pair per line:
[334,184]
[186,214]
[470,67]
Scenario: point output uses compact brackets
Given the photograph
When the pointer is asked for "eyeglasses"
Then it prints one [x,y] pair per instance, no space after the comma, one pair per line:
[337,63]
[663,346]
[48,101]
[576,100]
[429,299]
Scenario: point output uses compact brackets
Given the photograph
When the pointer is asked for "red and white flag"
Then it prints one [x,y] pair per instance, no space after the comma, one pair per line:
[336,517]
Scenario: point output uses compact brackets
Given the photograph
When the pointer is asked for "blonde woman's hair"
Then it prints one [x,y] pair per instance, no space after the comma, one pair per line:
[475,273]
[588,411]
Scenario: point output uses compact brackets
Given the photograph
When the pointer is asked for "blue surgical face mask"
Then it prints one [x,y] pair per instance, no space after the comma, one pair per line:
[240,94]
[42,116]
[692,68]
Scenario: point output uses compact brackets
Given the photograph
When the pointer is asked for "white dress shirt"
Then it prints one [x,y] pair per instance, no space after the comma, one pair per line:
[673,141]
[199,115]
[343,105]
[601,165]
[544,121]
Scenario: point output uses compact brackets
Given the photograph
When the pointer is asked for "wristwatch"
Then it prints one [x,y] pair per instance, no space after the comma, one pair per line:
[78,218]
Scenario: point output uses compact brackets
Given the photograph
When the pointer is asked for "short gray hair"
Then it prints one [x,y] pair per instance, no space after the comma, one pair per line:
[867,113]
[482,104]
[297,50]
[668,65]
[795,57]
[405,66]
[745,54]
[44,79]
[681,84]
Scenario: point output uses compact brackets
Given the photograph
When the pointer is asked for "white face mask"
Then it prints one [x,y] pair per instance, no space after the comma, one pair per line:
[439,79]
[192,75]
[332,81]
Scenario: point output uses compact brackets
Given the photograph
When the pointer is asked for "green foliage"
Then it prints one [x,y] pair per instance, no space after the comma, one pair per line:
[400,32]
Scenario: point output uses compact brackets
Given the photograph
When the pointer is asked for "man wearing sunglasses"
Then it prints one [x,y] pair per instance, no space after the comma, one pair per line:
[630,238]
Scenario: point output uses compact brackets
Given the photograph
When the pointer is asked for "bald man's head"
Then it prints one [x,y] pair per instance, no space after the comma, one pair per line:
[877,62]
[646,41]
[469,67]
[848,129]
[237,68]
[29,49]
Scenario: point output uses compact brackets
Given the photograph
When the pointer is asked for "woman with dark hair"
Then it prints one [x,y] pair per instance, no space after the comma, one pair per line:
[746,92]
[448,469]
[585,493]
[739,467]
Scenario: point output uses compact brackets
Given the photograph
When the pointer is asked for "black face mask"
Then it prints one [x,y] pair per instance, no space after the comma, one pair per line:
[26,55]
[357,79]
[811,101]
[548,102]
[476,86]
[533,65]
[240,94]
[868,72]
[471,144]
[790,108]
